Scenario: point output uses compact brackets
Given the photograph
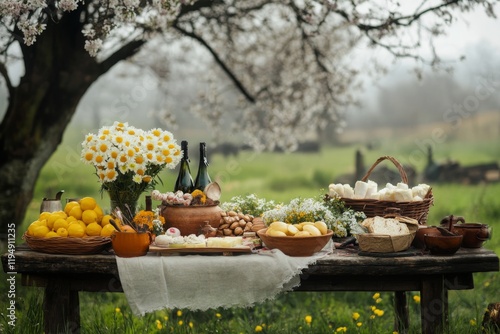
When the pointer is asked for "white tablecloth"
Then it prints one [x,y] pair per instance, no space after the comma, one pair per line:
[200,282]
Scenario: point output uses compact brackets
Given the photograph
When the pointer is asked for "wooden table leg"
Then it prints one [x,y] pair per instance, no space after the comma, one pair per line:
[433,304]
[61,307]
[402,321]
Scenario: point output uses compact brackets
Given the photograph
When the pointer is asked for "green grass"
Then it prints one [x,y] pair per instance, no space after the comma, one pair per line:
[279,177]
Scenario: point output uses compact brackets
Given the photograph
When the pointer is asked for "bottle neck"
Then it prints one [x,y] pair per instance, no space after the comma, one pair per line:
[184,149]
[203,155]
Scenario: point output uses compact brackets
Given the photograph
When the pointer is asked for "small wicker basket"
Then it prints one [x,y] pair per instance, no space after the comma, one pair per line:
[68,245]
[371,207]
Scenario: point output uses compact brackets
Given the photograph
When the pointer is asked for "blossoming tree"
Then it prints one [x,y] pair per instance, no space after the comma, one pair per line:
[290,59]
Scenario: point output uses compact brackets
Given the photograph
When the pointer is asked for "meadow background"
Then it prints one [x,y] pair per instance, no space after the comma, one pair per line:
[281,177]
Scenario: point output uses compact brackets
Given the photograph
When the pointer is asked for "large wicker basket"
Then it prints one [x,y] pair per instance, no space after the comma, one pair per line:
[371,207]
[68,245]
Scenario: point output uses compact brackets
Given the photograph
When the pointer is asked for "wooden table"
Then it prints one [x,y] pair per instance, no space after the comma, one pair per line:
[63,276]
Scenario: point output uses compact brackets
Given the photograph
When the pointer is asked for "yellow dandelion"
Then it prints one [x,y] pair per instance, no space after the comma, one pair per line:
[191,325]
[372,317]
[359,324]
[378,300]
[486,284]
[218,315]
[376,296]
[165,318]
[159,324]
[373,308]
[308,319]
[180,323]
[473,322]
[179,313]
[341,329]
[117,310]
[379,312]
[416,299]
[355,316]
[258,328]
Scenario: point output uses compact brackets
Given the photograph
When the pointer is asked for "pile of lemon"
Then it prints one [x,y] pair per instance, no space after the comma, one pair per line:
[80,219]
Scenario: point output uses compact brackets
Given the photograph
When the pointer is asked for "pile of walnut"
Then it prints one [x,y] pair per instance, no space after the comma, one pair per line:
[236,223]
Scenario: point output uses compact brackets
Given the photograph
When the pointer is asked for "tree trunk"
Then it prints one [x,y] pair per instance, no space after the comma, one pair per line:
[58,72]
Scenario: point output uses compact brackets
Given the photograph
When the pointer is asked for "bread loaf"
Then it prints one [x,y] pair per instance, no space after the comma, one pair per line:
[387,226]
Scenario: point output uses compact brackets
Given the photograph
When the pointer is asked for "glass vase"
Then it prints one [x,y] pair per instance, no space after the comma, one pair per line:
[126,202]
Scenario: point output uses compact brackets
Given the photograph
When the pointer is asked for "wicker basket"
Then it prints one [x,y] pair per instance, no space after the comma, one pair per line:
[68,245]
[371,207]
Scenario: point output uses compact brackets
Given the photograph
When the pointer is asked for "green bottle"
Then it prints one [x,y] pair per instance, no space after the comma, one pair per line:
[202,178]
[184,180]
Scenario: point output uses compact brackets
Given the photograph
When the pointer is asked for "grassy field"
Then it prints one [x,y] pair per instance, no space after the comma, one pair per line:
[279,177]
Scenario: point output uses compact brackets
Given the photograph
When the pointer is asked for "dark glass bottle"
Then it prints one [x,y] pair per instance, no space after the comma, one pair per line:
[202,178]
[184,180]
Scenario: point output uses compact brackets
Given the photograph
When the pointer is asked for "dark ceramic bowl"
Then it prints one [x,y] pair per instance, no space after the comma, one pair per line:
[443,244]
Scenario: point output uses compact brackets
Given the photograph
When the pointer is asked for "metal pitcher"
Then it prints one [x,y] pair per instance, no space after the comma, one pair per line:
[51,205]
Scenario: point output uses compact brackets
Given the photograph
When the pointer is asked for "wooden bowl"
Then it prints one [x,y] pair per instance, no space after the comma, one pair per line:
[443,244]
[296,246]
[191,219]
[127,244]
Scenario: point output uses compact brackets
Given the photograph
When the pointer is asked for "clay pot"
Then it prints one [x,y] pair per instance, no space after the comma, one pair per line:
[475,234]
[190,219]
[443,244]
[418,241]
[127,244]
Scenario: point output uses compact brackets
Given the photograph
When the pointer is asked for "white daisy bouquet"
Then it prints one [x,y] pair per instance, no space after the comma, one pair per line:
[128,160]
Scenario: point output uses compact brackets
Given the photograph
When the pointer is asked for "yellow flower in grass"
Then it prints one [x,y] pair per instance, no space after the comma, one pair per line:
[258,328]
[355,316]
[308,319]
[341,330]
[179,313]
[416,299]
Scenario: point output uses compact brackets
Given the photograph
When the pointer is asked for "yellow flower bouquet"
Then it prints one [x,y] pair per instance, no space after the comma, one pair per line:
[127,161]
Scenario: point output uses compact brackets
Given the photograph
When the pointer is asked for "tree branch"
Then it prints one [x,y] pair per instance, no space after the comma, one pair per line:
[126,51]
[5,74]
[219,61]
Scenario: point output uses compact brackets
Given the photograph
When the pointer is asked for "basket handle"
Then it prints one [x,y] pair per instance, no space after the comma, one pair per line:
[396,163]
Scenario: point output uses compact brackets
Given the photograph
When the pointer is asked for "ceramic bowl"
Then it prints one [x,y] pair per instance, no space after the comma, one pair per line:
[296,246]
[418,242]
[443,244]
[475,234]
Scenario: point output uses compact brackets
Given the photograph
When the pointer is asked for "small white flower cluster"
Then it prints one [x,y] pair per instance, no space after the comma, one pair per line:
[342,222]
[173,198]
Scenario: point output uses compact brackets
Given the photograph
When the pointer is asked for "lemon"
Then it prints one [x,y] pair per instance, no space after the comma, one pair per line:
[89,216]
[62,214]
[98,211]
[127,228]
[105,220]
[87,203]
[52,234]
[44,215]
[76,212]
[93,229]
[31,228]
[40,231]
[107,230]
[69,206]
[62,232]
[76,230]
[52,218]
[60,223]
[71,219]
